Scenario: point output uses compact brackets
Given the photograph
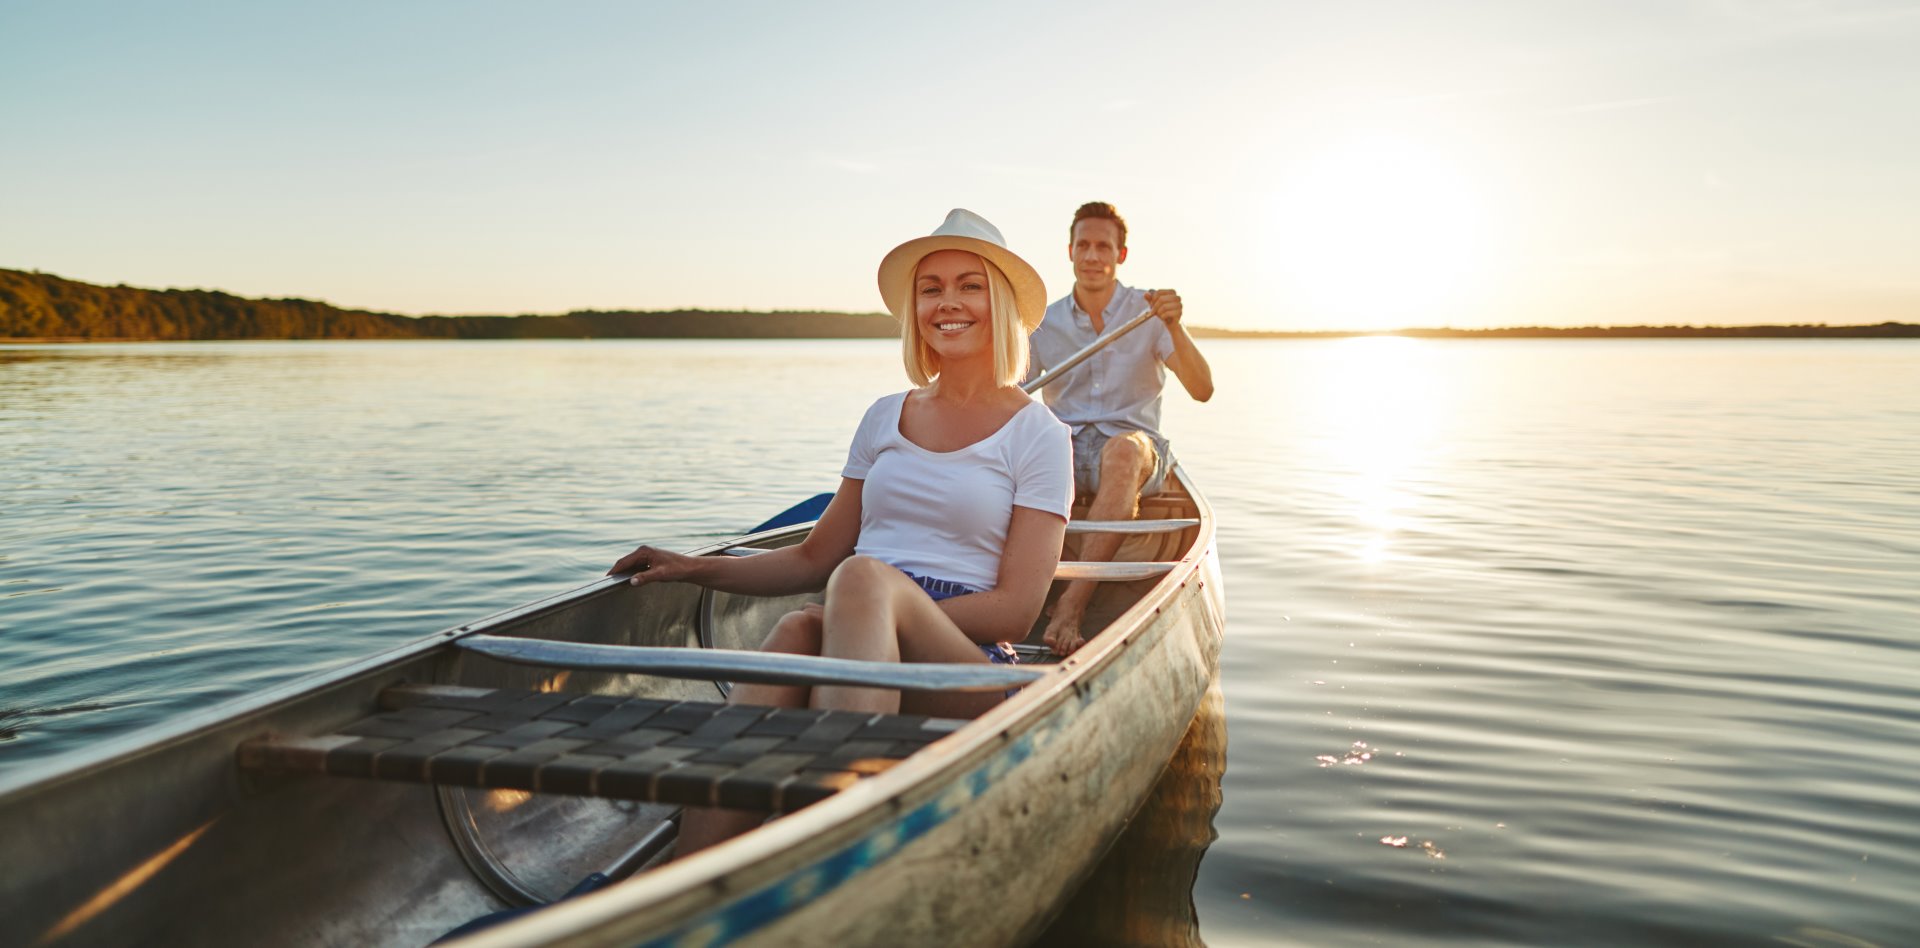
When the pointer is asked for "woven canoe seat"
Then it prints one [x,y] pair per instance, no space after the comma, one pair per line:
[693,753]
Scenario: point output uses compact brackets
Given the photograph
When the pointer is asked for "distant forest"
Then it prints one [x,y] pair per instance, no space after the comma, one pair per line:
[42,307]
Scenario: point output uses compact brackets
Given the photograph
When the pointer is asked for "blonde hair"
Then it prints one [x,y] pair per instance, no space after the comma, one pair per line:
[1009,334]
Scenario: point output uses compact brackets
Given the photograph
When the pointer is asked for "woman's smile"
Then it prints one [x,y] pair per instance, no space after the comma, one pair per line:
[952,301]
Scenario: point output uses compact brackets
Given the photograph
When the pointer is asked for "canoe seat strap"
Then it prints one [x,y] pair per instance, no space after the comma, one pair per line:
[691,753]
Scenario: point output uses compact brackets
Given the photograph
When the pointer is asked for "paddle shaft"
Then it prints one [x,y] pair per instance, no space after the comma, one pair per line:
[1047,378]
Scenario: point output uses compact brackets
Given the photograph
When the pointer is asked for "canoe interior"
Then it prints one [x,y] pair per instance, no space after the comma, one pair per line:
[160,838]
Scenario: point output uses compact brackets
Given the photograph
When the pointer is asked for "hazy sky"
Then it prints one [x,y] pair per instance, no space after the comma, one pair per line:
[1283,164]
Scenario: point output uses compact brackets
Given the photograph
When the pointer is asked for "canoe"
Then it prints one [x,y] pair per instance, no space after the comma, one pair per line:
[394,799]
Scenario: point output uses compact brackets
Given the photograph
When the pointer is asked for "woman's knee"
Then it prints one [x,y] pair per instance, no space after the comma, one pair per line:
[796,633]
[862,572]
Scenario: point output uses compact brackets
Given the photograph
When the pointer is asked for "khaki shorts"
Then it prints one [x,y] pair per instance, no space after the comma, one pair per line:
[1088,441]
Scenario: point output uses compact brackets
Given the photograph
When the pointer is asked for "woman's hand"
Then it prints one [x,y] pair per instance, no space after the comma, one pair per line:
[803,567]
[653,565]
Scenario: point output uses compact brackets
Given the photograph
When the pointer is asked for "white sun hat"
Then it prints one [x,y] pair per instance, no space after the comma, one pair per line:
[963,230]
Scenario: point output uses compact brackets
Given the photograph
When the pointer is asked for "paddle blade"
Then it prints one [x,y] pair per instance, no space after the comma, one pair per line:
[805,511]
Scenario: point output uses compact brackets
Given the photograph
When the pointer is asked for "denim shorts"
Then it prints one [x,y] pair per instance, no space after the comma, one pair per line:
[999,653]
[1088,442]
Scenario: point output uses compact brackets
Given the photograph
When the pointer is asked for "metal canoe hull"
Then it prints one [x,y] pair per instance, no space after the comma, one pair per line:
[158,838]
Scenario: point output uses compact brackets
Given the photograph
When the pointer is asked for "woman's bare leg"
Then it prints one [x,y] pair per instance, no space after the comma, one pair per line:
[797,633]
[875,613]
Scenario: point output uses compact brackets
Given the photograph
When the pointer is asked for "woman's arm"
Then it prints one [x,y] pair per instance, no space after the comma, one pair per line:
[794,569]
[1006,612]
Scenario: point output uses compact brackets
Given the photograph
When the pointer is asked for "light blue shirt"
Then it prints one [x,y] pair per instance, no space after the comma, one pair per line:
[1116,390]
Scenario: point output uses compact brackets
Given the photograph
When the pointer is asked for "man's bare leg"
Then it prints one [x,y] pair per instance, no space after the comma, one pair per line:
[1126,462]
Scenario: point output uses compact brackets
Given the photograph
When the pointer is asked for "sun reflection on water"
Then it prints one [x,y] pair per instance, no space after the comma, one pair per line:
[1382,404]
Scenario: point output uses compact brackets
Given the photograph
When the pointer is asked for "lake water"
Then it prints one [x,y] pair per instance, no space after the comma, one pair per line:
[1529,642]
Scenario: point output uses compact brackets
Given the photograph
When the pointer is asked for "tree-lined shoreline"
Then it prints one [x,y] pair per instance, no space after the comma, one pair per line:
[41,307]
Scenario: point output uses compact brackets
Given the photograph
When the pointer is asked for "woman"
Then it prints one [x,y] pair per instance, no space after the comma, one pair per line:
[942,539]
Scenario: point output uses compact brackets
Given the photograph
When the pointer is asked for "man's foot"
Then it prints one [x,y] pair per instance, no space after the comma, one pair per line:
[1063,630]
[1063,636]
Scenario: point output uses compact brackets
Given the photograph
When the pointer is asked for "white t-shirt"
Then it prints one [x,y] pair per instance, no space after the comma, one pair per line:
[944,514]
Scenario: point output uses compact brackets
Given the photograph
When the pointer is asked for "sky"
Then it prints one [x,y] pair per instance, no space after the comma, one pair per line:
[1284,165]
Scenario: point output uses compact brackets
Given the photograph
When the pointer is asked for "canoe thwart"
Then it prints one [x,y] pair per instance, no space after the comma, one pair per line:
[1131,526]
[767,668]
[690,753]
[1110,572]
[1121,571]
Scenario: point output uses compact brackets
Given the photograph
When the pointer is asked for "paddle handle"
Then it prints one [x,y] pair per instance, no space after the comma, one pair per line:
[1046,378]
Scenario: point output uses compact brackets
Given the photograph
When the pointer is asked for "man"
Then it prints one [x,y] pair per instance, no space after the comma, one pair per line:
[1112,400]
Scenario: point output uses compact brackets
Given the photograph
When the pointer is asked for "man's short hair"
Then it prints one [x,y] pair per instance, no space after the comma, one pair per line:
[1098,210]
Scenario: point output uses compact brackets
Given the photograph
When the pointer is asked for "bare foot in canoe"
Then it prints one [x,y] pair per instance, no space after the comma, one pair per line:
[1063,629]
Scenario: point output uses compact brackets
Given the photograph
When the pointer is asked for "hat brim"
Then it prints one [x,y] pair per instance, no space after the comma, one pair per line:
[896,274]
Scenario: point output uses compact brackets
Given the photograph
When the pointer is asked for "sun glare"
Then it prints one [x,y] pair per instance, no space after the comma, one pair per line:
[1383,403]
[1380,233]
